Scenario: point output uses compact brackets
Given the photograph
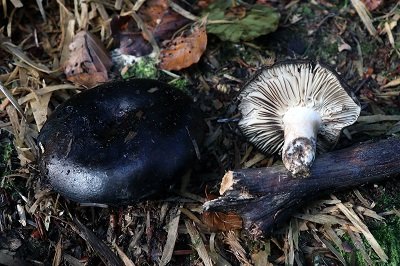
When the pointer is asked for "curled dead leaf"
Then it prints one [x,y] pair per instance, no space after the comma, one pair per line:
[184,50]
[88,62]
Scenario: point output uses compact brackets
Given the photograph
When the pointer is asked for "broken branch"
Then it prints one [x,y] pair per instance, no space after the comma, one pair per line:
[266,197]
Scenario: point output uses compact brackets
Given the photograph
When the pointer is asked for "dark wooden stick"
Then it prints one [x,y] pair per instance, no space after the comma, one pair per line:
[266,197]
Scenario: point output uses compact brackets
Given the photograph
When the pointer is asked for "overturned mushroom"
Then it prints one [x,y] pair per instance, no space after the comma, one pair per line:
[285,107]
[120,142]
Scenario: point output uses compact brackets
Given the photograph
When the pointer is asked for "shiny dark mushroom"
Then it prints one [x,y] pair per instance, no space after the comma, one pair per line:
[120,142]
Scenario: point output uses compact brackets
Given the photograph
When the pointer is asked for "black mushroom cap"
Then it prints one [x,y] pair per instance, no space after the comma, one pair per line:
[120,142]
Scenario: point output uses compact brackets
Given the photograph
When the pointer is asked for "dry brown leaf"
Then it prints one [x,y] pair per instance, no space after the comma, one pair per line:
[39,109]
[184,51]
[88,63]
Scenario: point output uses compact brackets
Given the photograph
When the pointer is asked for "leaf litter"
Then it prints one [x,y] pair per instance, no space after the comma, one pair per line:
[34,86]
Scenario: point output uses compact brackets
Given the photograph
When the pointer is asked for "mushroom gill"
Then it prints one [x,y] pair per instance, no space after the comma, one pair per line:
[286,106]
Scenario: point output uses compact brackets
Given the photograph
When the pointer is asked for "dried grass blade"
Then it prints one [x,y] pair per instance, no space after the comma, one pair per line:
[291,245]
[178,9]
[236,248]
[355,220]
[17,3]
[198,243]
[321,219]
[41,9]
[125,259]
[393,83]
[377,118]
[171,239]
[364,15]
[118,4]
[46,90]
[12,100]
[105,253]
[16,51]
[217,258]
[390,35]
[334,251]
[357,241]
[360,197]
[72,260]
[257,158]
[58,253]
[333,236]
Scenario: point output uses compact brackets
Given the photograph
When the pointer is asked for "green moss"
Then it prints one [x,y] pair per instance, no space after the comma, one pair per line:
[307,12]
[355,257]
[389,201]
[6,151]
[368,48]
[387,236]
[145,67]
[180,84]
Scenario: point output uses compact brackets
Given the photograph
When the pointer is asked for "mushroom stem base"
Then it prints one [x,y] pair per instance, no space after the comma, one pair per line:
[299,156]
[301,125]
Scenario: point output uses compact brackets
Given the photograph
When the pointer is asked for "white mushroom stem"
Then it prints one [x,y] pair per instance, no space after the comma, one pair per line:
[301,125]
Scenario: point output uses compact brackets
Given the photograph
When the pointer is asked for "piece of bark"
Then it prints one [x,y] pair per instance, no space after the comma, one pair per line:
[266,197]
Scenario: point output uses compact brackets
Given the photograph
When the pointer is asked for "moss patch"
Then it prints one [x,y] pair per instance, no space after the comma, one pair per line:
[145,67]
[387,237]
